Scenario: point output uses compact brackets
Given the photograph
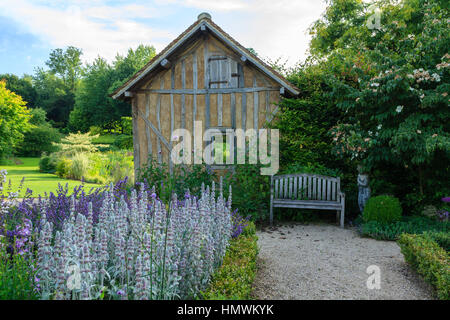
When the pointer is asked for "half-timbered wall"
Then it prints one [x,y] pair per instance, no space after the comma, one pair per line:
[206,82]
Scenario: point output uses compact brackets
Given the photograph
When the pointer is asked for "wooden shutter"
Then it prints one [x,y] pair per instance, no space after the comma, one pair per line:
[223,72]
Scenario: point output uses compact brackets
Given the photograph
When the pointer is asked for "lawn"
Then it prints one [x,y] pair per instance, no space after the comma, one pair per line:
[37,181]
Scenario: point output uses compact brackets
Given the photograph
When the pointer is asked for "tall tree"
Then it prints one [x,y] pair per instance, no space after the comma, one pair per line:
[93,106]
[392,83]
[14,120]
[67,65]
[22,86]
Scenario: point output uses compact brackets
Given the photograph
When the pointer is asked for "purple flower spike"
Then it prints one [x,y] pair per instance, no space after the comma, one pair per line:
[446,199]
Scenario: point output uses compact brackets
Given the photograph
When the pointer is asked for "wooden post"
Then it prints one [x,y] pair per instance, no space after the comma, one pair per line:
[342,209]
[271,201]
[137,163]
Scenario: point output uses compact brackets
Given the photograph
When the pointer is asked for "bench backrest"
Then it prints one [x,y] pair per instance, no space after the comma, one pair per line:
[306,187]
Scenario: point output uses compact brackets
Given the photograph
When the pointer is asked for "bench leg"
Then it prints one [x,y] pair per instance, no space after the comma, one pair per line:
[342,215]
[271,201]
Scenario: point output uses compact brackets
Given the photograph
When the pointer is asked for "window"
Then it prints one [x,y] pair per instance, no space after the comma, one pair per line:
[223,72]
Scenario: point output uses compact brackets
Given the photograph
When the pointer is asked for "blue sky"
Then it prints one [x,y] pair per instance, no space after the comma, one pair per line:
[30,29]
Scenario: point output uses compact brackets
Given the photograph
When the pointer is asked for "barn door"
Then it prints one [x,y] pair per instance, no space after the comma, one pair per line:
[223,72]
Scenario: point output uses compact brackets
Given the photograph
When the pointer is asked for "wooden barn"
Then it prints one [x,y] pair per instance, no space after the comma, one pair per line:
[203,75]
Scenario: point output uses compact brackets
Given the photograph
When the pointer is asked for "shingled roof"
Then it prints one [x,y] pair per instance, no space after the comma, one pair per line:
[204,21]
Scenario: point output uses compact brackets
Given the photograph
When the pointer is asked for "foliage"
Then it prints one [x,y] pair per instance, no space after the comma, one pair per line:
[95,167]
[21,86]
[441,238]
[14,120]
[430,260]
[180,180]
[93,105]
[77,142]
[78,166]
[304,121]
[382,209]
[234,279]
[124,142]
[392,231]
[16,275]
[316,168]
[47,163]
[53,96]
[63,167]
[40,137]
[251,191]
[67,65]
[392,85]
[136,251]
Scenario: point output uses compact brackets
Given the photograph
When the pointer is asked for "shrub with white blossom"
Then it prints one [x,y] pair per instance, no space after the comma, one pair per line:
[140,250]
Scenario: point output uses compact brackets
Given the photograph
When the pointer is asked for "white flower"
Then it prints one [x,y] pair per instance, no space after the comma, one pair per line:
[379,127]
[375,84]
[436,77]
[399,109]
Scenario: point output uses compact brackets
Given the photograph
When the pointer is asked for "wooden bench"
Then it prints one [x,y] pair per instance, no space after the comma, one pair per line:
[307,191]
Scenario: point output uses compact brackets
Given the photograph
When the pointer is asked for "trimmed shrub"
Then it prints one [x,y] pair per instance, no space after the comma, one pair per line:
[383,209]
[441,238]
[234,279]
[413,225]
[47,164]
[429,259]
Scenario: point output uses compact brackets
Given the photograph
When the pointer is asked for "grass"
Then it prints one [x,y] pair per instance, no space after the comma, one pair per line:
[38,182]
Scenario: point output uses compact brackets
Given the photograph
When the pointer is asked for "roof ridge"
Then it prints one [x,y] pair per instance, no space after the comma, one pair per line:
[177,39]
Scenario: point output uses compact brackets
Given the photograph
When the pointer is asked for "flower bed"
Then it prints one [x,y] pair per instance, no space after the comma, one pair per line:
[112,245]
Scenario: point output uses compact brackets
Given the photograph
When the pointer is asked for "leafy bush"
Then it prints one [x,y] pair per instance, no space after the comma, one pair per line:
[441,238]
[63,167]
[124,141]
[413,225]
[234,279]
[251,191]
[382,209]
[182,178]
[77,142]
[48,164]
[37,140]
[429,259]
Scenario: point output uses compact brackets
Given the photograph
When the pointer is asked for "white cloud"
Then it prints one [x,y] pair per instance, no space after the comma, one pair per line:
[98,30]
[273,28]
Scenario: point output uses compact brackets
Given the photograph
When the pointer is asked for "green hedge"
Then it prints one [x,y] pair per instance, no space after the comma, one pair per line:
[429,259]
[234,279]
[442,239]
[412,225]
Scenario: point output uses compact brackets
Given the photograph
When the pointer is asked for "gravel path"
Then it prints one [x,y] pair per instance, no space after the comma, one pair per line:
[327,262]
